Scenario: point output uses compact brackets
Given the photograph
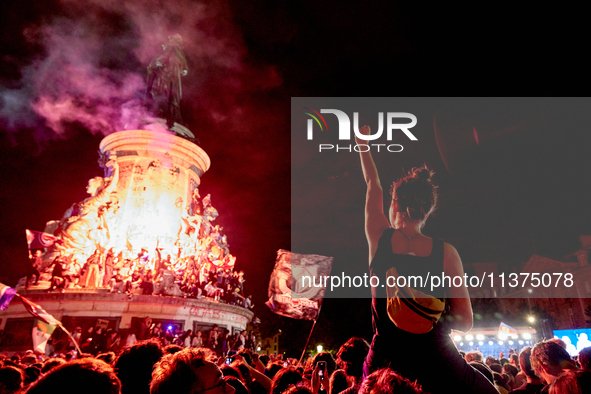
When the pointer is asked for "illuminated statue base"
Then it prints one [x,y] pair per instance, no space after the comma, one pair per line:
[144,222]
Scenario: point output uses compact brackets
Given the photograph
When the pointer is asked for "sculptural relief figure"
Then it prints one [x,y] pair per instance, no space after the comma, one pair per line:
[164,89]
[162,176]
[84,226]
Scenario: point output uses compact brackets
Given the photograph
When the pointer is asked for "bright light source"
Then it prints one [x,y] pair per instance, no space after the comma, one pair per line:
[500,342]
[458,338]
[527,335]
[530,291]
[480,337]
[471,343]
[490,343]
[258,348]
[520,342]
[461,343]
[319,348]
[469,337]
[531,319]
[511,342]
[481,343]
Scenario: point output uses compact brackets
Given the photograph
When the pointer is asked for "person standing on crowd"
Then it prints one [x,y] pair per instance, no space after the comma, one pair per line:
[398,247]
[92,276]
[99,342]
[113,341]
[197,340]
[86,339]
[186,338]
[212,343]
[109,265]
[156,330]
[240,341]
[75,337]
[131,339]
[585,358]
[36,264]
[572,382]
[350,358]
[549,360]
[145,328]
[147,284]
[187,372]
[533,383]
[250,341]
[58,281]
[117,282]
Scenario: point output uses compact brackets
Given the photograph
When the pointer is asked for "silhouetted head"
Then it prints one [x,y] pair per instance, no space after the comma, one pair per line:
[414,197]
[87,375]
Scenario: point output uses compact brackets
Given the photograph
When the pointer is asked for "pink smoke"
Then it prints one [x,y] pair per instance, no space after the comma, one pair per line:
[76,82]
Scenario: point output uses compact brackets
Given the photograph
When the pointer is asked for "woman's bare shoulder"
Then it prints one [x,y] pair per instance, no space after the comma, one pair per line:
[451,258]
[449,250]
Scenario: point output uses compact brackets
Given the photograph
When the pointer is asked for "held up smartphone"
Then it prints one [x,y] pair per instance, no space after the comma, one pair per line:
[230,358]
[322,368]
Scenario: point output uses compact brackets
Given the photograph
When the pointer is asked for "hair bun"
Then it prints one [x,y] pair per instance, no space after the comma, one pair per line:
[424,174]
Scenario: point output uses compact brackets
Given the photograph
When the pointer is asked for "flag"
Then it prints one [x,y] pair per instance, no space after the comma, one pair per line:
[6,295]
[296,289]
[39,312]
[44,325]
[506,329]
[39,239]
[41,333]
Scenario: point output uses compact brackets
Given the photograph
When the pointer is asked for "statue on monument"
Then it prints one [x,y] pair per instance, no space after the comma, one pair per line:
[84,226]
[164,90]
[141,201]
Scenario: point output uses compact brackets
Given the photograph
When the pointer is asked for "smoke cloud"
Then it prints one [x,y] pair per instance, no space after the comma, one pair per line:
[93,67]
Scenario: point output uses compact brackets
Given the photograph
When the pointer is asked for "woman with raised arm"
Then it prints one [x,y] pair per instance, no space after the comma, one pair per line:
[411,321]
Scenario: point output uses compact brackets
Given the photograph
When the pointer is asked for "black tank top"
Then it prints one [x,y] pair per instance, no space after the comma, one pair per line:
[406,265]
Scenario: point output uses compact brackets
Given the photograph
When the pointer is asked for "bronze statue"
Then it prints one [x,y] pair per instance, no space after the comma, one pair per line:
[164,89]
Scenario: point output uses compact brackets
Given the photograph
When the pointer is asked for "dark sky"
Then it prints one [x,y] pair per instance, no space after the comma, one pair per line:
[525,187]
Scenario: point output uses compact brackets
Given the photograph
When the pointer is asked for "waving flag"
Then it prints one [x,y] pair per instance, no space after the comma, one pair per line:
[44,326]
[39,239]
[6,295]
[295,288]
[41,333]
[39,312]
[506,329]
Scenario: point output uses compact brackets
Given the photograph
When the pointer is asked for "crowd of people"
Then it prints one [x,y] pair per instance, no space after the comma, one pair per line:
[411,350]
[185,366]
[545,368]
[97,339]
[148,366]
[183,277]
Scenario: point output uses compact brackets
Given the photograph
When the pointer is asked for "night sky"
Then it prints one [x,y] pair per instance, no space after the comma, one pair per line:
[72,72]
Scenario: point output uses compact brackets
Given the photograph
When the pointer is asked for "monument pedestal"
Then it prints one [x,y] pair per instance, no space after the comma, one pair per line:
[158,176]
[87,308]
